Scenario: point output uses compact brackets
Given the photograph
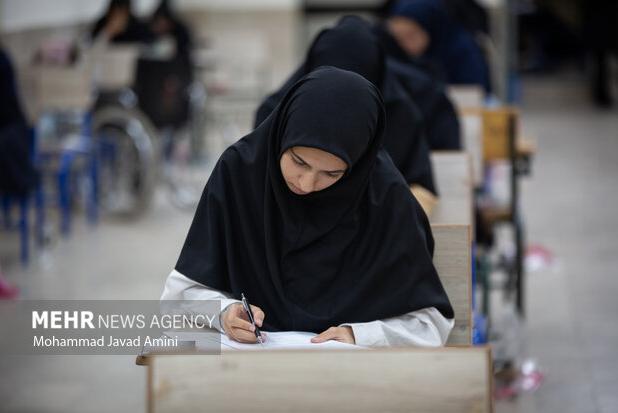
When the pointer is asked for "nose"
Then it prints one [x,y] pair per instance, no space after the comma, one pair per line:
[307,182]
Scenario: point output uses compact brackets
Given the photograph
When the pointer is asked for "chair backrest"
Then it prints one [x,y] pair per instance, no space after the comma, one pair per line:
[499,133]
[114,65]
[52,88]
[444,380]
[489,134]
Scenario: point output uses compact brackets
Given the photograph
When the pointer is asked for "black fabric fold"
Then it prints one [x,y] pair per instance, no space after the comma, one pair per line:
[425,84]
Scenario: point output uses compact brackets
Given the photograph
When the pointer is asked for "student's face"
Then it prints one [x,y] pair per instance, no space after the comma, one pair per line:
[120,11]
[307,170]
[410,36]
[161,25]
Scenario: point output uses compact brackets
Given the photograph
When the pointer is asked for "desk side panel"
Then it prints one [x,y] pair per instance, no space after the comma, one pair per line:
[453,261]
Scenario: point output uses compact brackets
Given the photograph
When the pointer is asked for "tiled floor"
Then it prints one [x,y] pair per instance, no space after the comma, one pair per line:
[569,205]
[116,260]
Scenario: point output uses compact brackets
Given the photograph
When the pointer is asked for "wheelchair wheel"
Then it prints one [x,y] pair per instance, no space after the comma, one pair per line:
[126,144]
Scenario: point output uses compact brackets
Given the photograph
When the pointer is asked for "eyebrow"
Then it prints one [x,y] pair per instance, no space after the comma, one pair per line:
[336,171]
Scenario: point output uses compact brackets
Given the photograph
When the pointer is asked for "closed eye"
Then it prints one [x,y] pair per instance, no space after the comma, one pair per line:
[298,161]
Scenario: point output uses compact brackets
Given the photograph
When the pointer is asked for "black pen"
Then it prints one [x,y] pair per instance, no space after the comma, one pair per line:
[247,308]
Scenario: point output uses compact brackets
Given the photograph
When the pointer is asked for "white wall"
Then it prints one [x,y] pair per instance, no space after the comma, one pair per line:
[17,15]
[252,5]
[27,14]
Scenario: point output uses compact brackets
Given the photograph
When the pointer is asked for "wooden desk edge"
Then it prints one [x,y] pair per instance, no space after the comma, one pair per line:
[146,359]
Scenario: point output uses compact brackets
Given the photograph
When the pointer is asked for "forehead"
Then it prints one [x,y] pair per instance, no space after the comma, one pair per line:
[403,24]
[319,159]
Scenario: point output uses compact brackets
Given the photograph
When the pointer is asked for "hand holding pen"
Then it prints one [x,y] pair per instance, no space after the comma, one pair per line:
[249,312]
[237,324]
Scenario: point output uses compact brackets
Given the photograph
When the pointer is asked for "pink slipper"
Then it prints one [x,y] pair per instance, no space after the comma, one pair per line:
[7,291]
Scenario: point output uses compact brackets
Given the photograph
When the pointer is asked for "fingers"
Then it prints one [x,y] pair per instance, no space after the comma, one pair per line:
[237,326]
[238,318]
[231,318]
[242,336]
[236,310]
[228,314]
[237,322]
[343,334]
[258,315]
[330,334]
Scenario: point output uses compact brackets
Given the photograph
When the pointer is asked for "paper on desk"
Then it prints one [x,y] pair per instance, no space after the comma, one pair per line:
[282,340]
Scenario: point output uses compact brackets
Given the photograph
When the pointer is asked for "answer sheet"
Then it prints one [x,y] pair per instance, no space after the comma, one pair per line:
[282,340]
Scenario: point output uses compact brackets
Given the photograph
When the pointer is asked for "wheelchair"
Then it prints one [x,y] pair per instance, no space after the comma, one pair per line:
[137,129]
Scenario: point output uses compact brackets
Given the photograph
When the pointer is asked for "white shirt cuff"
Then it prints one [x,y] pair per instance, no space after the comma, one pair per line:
[180,287]
[423,328]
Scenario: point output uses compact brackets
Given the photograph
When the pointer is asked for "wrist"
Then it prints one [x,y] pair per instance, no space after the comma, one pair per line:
[350,331]
[221,315]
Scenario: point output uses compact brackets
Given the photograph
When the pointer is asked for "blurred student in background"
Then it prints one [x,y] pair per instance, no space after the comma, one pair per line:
[119,25]
[427,89]
[164,76]
[440,121]
[424,29]
[600,32]
[18,175]
[166,23]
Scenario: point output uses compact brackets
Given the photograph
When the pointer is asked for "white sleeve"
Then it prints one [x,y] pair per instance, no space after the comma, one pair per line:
[179,287]
[422,328]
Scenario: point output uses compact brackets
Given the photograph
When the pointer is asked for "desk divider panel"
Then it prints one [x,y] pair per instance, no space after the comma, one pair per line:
[453,260]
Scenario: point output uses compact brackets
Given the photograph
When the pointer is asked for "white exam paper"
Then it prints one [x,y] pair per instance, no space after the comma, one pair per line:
[281,340]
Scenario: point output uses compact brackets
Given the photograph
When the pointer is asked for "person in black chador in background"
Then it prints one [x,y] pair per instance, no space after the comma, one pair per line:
[165,22]
[600,27]
[119,25]
[17,173]
[425,31]
[166,104]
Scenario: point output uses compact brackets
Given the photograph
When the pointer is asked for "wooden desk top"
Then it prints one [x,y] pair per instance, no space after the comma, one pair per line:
[453,174]
[452,226]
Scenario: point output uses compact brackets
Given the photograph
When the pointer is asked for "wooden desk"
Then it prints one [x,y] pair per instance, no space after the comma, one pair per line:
[444,380]
[453,174]
[451,224]
[466,96]
[452,258]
